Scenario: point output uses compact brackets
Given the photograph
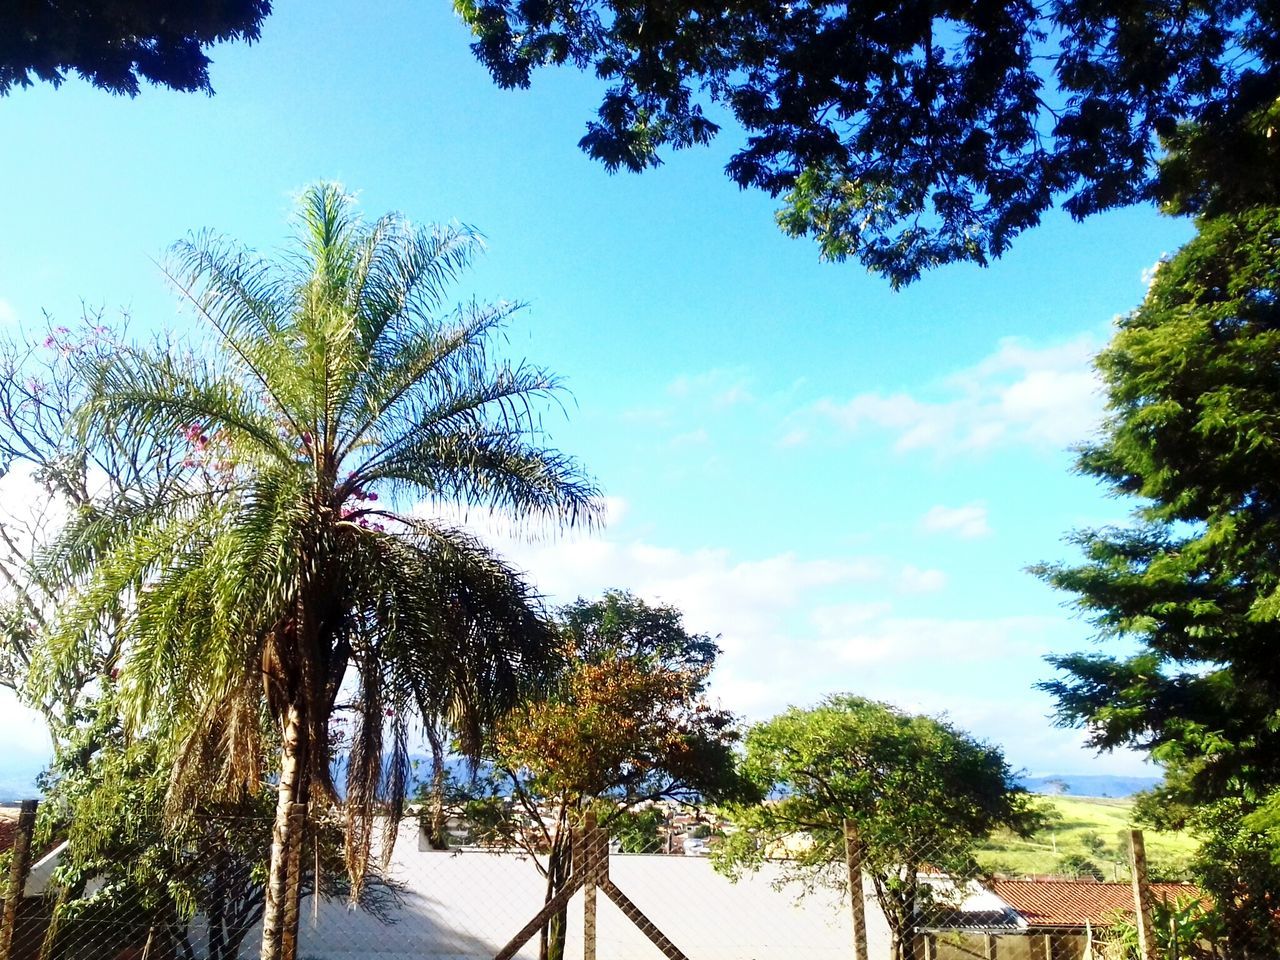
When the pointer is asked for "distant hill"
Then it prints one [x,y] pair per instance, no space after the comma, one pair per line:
[18,785]
[1086,835]
[419,773]
[1088,785]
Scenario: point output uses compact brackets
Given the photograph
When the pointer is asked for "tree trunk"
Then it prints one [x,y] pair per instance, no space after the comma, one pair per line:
[276,914]
[435,834]
[552,942]
[217,911]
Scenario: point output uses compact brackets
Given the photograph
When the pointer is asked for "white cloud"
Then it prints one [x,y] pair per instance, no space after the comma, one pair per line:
[907,639]
[967,522]
[1020,394]
[1149,273]
[794,629]
[841,617]
[795,438]
[1022,728]
[745,601]
[719,388]
[7,314]
[692,438]
[914,580]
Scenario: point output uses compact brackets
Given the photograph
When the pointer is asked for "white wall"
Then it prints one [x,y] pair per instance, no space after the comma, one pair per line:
[468,904]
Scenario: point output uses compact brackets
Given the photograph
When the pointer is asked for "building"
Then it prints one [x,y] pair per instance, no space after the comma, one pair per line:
[1037,920]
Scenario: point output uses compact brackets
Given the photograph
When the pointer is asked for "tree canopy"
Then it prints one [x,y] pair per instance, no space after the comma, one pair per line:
[1190,590]
[906,134]
[623,722]
[300,573]
[920,791]
[115,46]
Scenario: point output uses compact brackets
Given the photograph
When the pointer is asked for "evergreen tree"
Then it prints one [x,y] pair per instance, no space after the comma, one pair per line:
[1190,590]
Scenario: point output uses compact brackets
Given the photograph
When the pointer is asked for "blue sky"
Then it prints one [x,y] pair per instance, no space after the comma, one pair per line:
[844,482]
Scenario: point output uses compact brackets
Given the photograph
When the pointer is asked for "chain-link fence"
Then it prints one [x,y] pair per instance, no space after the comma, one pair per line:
[640,888]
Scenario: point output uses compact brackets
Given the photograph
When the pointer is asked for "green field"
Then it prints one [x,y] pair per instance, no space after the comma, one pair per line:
[1092,832]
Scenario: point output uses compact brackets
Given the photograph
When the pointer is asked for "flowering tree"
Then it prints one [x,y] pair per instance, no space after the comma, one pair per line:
[50,474]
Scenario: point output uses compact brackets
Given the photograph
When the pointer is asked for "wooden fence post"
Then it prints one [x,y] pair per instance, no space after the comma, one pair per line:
[1142,897]
[19,867]
[591,836]
[857,896]
[591,866]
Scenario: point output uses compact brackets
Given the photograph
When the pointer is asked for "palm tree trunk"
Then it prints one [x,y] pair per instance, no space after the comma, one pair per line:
[435,835]
[217,911]
[277,938]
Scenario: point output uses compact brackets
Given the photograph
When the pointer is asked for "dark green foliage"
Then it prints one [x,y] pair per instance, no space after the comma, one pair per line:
[115,45]
[906,134]
[1237,862]
[1185,928]
[621,624]
[1075,865]
[1192,586]
[129,873]
[1238,865]
[1094,844]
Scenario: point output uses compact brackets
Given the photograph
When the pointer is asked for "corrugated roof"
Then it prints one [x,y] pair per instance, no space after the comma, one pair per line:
[1073,903]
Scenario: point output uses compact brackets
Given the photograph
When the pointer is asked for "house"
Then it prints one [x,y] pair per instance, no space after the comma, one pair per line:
[1035,919]
[33,910]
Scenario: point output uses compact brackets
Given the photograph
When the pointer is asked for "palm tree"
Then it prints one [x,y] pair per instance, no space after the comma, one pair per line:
[275,589]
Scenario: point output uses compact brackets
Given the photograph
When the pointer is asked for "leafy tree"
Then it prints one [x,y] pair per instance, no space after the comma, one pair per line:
[1237,860]
[44,381]
[1093,842]
[1057,786]
[636,831]
[922,794]
[1191,588]
[116,45]
[1184,927]
[1237,863]
[908,135]
[276,579]
[1078,865]
[624,723]
[129,875]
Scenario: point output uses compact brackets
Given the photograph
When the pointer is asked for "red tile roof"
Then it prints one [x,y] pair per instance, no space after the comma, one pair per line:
[8,831]
[1073,903]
